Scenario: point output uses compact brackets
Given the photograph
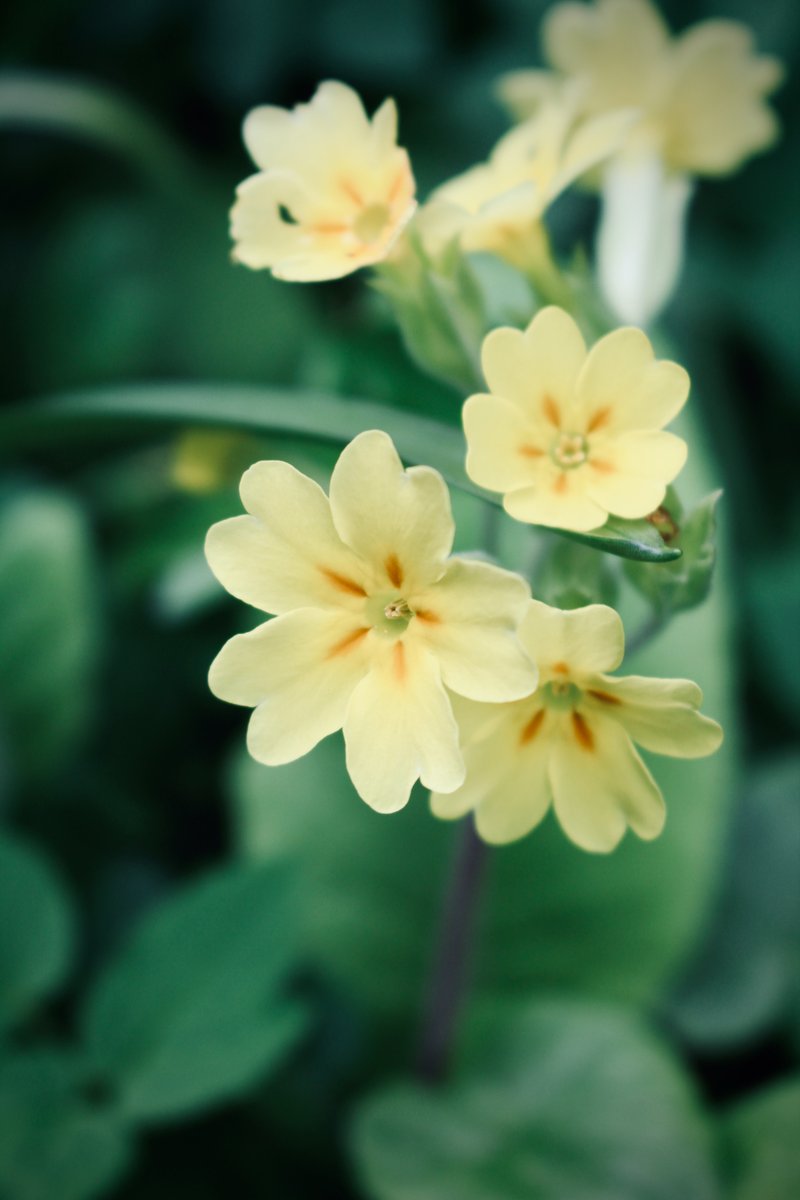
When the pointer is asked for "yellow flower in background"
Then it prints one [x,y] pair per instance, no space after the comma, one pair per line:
[701,99]
[701,95]
[376,625]
[570,436]
[570,743]
[497,205]
[333,192]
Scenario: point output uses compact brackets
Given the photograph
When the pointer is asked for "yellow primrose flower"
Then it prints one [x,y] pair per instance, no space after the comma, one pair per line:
[570,743]
[701,100]
[497,205]
[701,95]
[333,191]
[570,436]
[376,625]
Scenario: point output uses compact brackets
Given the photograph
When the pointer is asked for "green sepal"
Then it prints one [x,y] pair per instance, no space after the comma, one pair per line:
[682,584]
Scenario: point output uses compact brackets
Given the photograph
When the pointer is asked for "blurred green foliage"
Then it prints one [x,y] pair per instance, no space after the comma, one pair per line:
[210,973]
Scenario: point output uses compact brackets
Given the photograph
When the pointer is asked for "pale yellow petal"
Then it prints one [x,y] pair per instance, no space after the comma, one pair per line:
[524,92]
[537,370]
[591,142]
[559,499]
[299,670]
[400,727]
[259,229]
[400,522]
[600,785]
[633,470]
[505,750]
[622,387]
[469,621]
[660,714]
[586,641]
[717,116]
[615,46]
[287,553]
[503,447]
[518,801]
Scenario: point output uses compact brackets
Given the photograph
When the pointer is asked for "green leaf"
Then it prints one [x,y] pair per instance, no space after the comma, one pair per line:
[193,1010]
[53,1142]
[744,973]
[49,619]
[90,112]
[674,586]
[759,1147]
[36,932]
[548,1101]
[80,416]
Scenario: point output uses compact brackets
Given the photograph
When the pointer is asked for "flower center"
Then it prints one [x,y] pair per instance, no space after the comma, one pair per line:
[569,450]
[561,694]
[389,615]
[371,222]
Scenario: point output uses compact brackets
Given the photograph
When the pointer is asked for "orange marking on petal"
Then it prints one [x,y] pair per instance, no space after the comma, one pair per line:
[599,418]
[561,668]
[347,642]
[394,570]
[532,728]
[604,697]
[350,190]
[551,411]
[561,484]
[530,451]
[342,582]
[328,229]
[425,614]
[583,734]
[601,465]
[399,662]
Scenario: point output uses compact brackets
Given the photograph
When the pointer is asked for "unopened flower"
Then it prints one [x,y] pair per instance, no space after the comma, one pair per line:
[570,437]
[376,625]
[333,191]
[702,104]
[570,743]
[497,205]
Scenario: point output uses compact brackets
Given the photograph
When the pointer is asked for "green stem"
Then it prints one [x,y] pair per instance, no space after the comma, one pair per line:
[450,975]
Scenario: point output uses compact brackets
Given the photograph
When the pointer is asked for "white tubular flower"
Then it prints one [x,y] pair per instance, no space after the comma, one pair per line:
[333,192]
[375,624]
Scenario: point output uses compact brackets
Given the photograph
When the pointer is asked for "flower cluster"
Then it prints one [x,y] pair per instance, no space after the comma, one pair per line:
[443,669]
[382,634]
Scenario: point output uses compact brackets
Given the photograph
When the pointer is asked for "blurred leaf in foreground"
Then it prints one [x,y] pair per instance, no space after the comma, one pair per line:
[53,1143]
[49,620]
[36,931]
[759,1145]
[550,1100]
[194,1010]
[746,969]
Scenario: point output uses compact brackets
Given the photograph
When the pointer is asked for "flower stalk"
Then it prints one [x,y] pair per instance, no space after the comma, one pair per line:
[449,978]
